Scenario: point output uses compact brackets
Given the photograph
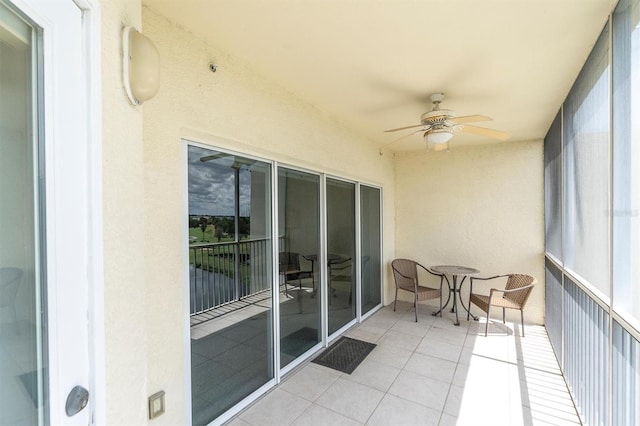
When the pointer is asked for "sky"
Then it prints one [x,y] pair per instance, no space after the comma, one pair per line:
[211,184]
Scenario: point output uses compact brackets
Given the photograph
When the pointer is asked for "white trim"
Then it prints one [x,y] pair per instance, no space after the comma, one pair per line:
[275,274]
[322,263]
[186,291]
[358,260]
[92,55]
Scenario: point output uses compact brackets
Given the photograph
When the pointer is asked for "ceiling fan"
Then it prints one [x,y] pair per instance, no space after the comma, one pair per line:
[438,126]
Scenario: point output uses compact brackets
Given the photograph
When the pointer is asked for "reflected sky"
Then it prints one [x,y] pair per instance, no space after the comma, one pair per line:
[212,183]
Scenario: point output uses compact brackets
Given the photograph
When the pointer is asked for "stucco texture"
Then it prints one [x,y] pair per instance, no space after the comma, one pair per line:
[124,246]
[480,207]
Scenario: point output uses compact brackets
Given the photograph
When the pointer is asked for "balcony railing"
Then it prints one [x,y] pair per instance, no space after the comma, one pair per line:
[222,273]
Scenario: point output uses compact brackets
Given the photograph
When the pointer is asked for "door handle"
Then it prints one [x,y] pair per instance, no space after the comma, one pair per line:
[77,399]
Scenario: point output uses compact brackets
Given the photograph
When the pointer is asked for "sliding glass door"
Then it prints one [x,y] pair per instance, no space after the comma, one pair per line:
[299,271]
[239,347]
[341,253]
[230,280]
[370,249]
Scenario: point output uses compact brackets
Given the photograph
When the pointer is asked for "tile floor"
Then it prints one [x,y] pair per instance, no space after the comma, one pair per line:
[427,373]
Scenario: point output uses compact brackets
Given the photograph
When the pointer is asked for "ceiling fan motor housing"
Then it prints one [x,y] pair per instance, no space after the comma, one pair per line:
[436,117]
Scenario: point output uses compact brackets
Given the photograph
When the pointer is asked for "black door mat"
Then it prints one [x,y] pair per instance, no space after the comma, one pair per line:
[345,354]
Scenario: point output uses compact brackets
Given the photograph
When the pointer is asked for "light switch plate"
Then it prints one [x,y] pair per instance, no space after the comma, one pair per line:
[156,405]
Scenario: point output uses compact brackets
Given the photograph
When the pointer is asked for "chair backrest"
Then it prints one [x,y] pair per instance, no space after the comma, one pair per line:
[9,283]
[288,261]
[516,281]
[405,272]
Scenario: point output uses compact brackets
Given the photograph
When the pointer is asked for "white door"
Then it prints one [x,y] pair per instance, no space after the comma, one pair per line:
[45,227]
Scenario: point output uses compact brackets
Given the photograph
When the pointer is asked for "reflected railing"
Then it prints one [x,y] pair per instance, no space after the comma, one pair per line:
[226,272]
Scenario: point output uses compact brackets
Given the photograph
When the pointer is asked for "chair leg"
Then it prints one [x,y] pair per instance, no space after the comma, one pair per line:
[486,327]
[415,305]
[522,321]
[469,308]
[441,307]
[395,300]
[503,320]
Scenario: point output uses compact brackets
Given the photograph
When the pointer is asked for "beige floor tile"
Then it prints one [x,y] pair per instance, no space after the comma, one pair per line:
[317,415]
[399,340]
[374,374]
[431,367]
[278,407]
[390,355]
[421,390]
[439,349]
[414,328]
[367,333]
[351,399]
[447,420]
[310,381]
[398,411]
[447,336]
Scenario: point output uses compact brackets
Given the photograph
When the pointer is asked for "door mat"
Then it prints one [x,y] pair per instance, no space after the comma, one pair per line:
[299,341]
[345,355]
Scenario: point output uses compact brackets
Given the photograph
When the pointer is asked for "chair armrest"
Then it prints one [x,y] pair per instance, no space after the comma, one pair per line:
[437,275]
[502,290]
[471,279]
[490,278]
[430,271]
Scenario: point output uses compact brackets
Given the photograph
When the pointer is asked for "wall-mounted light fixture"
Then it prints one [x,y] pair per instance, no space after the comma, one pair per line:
[141,66]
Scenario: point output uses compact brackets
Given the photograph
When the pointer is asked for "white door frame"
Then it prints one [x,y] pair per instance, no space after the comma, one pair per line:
[75,315]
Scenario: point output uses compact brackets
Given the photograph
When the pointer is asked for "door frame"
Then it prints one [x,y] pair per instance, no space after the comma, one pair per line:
[91,117]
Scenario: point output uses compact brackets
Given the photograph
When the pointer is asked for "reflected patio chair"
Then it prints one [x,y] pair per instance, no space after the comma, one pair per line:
[340,269]
[514,296]
[10,278]
[289,267]
[405,273]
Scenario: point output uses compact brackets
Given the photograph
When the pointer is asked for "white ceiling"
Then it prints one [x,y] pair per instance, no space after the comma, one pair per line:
[372,64]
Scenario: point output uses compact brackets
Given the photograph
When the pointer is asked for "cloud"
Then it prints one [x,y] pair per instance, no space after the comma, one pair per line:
[212,183]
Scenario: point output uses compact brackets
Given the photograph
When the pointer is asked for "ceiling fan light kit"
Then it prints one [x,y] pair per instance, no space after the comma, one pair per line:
[438,126]
[438,136]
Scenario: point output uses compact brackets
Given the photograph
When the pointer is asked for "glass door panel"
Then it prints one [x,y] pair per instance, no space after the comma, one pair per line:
[370,246]
[230,279]
[23,367]
[299,272]
[341,237]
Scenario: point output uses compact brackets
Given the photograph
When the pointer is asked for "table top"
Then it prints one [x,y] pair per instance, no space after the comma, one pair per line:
[455,270]
[330,257]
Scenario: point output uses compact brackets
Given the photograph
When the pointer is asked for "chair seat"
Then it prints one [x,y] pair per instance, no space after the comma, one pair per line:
[498,301]
[424,293]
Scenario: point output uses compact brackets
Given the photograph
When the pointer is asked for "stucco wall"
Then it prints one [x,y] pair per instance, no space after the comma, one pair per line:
[236,109]
[479,206]
[124,245]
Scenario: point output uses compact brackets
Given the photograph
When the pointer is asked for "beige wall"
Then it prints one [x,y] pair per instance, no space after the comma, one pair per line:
[124,245]
[479,206]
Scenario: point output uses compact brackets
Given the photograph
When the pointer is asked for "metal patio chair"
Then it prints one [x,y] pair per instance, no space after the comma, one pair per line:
[514,296]
[405,273]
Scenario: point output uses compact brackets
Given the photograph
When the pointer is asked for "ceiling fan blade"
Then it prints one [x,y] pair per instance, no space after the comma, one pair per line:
[470,119]
[407,135]
[407,127]
[482,131]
